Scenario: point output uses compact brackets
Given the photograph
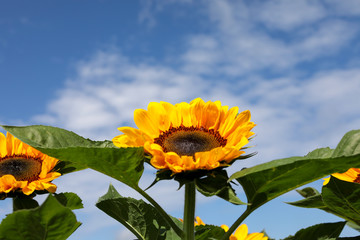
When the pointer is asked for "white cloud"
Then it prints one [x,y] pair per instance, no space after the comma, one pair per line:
[239,45]
[288,15]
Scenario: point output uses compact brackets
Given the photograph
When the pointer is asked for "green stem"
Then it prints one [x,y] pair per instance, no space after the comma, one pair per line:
[236,224]
[162,212]
[189,211]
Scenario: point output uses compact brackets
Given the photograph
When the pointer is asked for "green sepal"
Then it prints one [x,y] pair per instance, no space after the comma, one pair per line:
[208,182]
[216,183]
[51,221]
[141,218]
[24,202]
[324,231]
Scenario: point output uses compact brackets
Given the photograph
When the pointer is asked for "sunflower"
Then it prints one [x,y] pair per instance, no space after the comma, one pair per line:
[197,222]
[24,168]
[189,136]
[351,175]
[241,233]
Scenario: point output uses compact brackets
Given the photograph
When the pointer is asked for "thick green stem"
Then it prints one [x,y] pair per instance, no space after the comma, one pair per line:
[236,224]
[189,211]
[167,218]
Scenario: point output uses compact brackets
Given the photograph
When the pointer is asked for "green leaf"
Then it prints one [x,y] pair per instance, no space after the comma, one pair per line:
[267,181]
[216,183]
[50,221]
[344,198]
[312,199]
[76,152]
[24,202]
[315,200]
[70,200]
[140,218]
[208,232]
[310,202]
[308,192]
[354,226]
[324,231]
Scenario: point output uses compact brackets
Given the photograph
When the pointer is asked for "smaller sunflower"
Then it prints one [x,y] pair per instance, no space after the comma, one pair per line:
[241,233]
[24,168]
[197,222]
[189,136]
[351,175]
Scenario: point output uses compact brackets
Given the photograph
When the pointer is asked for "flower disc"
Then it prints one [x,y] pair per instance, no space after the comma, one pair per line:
[23,169]
[188,141]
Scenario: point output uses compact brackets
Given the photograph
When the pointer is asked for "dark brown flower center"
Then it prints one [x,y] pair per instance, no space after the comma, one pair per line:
[357,179]
[23,169]
[186,141]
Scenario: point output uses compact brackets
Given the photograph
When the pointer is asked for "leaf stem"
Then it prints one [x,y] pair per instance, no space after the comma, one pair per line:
[189,211]
[162,212]
[236,224]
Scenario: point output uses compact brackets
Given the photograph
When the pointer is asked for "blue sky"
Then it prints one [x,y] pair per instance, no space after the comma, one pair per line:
[87,65]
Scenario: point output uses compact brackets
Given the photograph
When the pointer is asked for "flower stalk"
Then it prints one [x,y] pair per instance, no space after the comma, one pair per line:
[189,211]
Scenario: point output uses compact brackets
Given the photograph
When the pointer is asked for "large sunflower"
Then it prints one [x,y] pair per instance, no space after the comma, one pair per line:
[24,168]
[185,137]
[241,233]
[351,175]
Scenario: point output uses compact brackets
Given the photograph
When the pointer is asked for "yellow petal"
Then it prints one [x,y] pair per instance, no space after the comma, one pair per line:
[175,118]
[210,115]
[159,116]
[145,123]
[241,232]
[184,110]
[225,227]
[3,149]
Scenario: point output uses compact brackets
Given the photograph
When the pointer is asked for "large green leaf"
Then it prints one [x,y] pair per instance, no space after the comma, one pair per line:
[344,198]
[140,218]
[76,152]
[324,231]
[50,221]
[264,182]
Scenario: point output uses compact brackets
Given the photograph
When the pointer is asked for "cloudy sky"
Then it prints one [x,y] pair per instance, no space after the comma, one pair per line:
[87,65]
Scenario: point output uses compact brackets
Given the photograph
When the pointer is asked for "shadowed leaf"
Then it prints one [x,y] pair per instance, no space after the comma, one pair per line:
[140,218]
[50,221]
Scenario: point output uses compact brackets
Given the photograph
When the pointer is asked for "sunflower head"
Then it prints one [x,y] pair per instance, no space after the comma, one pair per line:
[189,136]
[23,168]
